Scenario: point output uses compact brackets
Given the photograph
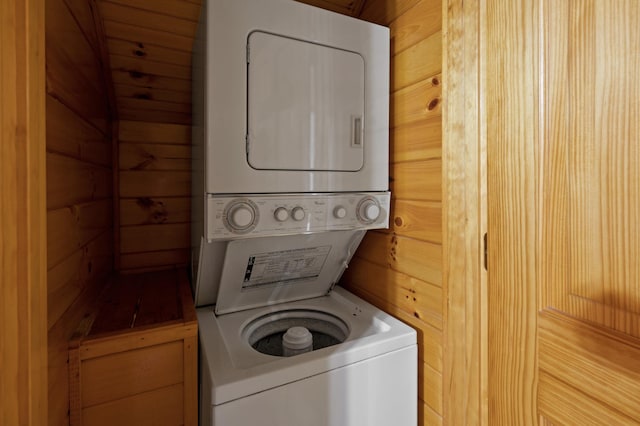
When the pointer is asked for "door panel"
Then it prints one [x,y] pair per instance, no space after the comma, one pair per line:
[563,135]
[591,160]
[589,371]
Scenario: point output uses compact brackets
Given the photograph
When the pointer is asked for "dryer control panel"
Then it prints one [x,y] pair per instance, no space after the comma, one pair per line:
[244,216]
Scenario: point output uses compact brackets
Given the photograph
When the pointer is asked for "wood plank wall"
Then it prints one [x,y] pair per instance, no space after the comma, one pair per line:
[400,270]
[79,183]
[149,46]
[155,186]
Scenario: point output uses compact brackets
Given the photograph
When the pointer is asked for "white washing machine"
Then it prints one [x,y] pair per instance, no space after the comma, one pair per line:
[290,169]
[359,366]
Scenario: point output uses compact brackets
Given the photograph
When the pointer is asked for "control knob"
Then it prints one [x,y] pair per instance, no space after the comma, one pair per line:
[241,216]
[368,210]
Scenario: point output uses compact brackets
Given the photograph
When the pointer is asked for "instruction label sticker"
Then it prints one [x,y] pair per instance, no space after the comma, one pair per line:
[284,267]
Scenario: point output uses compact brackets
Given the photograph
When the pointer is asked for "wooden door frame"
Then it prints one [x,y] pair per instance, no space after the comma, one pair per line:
[464,217]
[23,225]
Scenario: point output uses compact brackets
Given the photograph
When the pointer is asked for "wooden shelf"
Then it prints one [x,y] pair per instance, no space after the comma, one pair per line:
[134,361]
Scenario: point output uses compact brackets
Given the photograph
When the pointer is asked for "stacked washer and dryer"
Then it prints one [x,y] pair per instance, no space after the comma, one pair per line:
[290,148]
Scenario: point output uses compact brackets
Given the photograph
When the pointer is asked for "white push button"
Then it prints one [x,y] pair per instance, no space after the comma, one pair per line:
[340,212]
[298,213]
[281,214]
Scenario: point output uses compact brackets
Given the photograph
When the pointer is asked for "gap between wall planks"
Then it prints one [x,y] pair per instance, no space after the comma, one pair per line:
[155,205]
[400,270]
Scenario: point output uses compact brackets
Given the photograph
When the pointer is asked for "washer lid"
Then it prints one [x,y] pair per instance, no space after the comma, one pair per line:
[266,271]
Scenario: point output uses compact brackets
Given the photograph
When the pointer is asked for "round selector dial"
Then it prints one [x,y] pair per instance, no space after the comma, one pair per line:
[368,210]
[241,216]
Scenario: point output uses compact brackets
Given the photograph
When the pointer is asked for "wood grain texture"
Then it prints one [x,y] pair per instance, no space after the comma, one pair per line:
[23,318]
[417,180]
[464,217]
[145,238]
[418,102]
[79,183]
[424,20]
[135,184]
[419,140]
[154,133]
[511,76]
[155,259]
[412,295]
[406,70]
[70,135]
[148,211]
[421,220]
[84,89]
[383,12]
[162,406]
[128,373]
[590,359]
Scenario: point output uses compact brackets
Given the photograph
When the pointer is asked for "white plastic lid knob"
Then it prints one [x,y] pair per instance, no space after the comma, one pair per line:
[297,339]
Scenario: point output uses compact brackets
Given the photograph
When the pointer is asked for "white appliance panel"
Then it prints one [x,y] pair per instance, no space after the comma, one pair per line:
[305,105]
[267,271]
[379,391]
[227,27]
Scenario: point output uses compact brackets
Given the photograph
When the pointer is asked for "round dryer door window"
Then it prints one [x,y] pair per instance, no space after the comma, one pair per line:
[292,332]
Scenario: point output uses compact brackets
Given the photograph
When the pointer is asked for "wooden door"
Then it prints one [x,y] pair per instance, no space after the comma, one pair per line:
[563,136]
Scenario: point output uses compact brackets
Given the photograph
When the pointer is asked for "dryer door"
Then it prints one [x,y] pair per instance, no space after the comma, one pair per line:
[305,106]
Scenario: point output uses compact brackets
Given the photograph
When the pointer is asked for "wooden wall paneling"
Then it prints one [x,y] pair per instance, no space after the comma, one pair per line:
[147,107]
[145,36]
[421,220]
[154,237]
[150,52]
[148,211]
[149,81]
[23,339]
[86,267]
[145,65]
[346,7]
[410,294]
[139,92]
[417,180]
[155,116]
[430,386]
[71,181]
[83,90]
[72,227]
[189,10]
[135,184]
[418,102]
[175,134]
[464,217]
[406,70]
[383,12]
[155,259]
[413,257]
[79,182]
[408,29]
[147,19]
[71,136]
[417,140]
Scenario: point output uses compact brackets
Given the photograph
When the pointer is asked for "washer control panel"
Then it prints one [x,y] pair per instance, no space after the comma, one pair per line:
[231,217]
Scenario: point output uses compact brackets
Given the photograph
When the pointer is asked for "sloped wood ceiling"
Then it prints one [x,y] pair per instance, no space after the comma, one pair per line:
[149,44]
